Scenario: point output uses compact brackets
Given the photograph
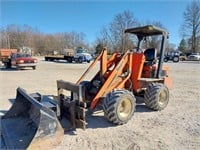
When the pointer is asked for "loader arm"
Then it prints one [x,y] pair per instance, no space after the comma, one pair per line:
[102,55]
[90,67]
[116,78]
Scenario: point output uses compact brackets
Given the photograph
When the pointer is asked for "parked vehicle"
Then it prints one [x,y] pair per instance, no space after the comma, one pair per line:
[65,54]
[68,54]
[5,55]
[194,57]
[172,55]
[82,56]
[182,57]
[11,58]
[20,60]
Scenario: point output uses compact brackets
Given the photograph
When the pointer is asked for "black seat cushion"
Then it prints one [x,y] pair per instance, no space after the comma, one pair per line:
[150,54]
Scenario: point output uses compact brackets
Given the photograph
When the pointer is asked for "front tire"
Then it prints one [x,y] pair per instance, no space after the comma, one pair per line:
[119,106]
[156,96]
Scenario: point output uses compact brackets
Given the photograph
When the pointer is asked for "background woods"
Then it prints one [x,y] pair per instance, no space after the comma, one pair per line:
[110,35]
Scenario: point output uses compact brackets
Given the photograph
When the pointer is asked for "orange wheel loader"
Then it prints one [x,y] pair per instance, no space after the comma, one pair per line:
[122,79]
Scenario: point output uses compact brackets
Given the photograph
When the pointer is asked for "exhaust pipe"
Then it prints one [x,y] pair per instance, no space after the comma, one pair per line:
[30,125]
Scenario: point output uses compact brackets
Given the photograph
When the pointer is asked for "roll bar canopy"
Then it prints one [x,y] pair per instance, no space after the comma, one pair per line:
[148,30]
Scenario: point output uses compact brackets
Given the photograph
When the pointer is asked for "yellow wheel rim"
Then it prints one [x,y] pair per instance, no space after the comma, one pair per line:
[124,108]
[162,97]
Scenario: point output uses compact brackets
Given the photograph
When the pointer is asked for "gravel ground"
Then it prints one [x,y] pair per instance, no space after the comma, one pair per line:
[176,127]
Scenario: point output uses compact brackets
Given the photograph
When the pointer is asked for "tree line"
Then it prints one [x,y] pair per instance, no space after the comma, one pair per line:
[111,35]
[18,36]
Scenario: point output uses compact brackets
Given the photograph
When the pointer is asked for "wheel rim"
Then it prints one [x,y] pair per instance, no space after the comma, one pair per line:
[124,108]
[176,59]
[162,98]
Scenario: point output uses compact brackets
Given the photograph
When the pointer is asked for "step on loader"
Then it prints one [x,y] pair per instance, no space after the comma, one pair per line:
[123,78]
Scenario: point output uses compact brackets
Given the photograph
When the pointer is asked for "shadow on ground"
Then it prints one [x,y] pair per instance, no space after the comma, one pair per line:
[63,62]
[96,119]
[142,108]
[15,69]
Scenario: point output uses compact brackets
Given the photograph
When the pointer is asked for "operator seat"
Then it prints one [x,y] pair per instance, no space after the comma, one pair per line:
[150,56]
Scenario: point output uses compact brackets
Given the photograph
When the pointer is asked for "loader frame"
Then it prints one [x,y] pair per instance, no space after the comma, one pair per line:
[72,107]
[119,71]
[121,77]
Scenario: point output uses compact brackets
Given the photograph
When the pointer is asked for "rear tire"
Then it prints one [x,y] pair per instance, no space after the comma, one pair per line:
[156,96]
[8,64]
[80,60]
[119,106]
[165,60]
[19,68]
[69,60]
[176,59]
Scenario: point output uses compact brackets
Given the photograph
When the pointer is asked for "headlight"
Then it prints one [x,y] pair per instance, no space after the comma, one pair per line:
[35,61]
[21,61]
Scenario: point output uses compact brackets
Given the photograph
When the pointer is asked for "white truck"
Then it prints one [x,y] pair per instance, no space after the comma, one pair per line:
[80,56]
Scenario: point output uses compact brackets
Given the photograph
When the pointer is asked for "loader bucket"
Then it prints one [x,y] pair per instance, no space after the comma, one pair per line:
[30,125]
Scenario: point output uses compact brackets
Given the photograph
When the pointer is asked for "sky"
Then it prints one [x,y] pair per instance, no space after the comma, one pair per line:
[89,17]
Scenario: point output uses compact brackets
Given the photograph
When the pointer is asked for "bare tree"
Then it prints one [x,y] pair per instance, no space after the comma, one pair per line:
[121,22]
[15,36]
[105,39]
[191,24]
[75,39]
[4,39]
[113,37]
[153,41]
